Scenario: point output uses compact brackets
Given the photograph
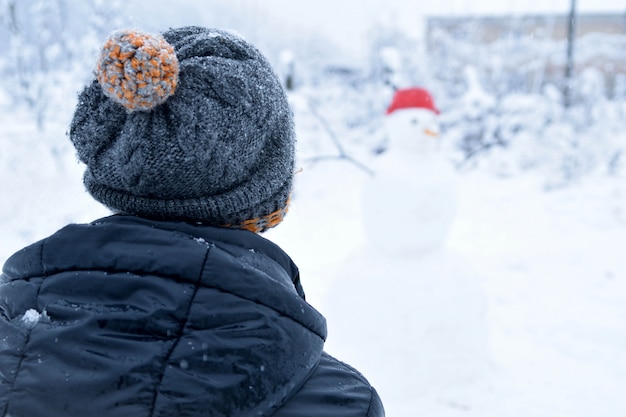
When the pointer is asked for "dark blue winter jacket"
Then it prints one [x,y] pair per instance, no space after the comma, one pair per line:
[128,317]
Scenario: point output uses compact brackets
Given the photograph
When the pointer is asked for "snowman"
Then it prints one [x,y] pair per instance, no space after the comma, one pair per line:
[405,309]
[410,203]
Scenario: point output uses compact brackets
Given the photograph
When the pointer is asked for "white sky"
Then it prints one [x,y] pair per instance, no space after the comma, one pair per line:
[346,22]
[349,19]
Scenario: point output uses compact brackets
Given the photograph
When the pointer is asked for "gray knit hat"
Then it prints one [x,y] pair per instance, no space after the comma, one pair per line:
[193,125]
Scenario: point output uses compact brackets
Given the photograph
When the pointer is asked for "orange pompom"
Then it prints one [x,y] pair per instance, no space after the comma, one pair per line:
[137,70]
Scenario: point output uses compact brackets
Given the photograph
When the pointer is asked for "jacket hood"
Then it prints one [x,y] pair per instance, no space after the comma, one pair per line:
[145,318]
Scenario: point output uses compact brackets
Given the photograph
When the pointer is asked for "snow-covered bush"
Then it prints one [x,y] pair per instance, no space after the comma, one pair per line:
[522,131]
[503,107]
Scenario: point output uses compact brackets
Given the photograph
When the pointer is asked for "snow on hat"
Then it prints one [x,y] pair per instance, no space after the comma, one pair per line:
[410,98]
[190,125]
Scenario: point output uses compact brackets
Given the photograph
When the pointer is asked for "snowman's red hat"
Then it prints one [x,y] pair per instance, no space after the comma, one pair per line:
[412,98]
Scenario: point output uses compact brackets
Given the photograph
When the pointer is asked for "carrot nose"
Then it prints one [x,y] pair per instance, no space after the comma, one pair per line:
[430,132]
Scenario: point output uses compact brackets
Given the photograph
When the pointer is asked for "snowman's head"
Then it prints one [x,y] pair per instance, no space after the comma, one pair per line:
[412,121]
[413,130]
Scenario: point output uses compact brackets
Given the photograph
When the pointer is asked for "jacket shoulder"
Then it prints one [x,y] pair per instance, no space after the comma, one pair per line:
[335,389]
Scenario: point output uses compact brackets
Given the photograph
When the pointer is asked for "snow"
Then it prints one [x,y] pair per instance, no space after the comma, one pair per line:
[201,241]
[531,283]
[537,289]
[31,317]
[519,310]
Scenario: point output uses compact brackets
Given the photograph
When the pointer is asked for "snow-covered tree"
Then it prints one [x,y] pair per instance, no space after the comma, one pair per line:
[50,45]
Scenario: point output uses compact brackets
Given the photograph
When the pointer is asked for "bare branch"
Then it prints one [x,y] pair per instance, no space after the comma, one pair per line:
[331,133]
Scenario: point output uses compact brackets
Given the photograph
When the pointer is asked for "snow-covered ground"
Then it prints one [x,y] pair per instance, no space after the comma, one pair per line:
[547,267]
[521,313]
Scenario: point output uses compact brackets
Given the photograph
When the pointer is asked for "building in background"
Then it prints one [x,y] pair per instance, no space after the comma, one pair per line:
[533,47]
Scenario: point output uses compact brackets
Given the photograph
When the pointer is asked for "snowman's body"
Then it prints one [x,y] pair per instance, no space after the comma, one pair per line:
[410,202]
[416,327]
